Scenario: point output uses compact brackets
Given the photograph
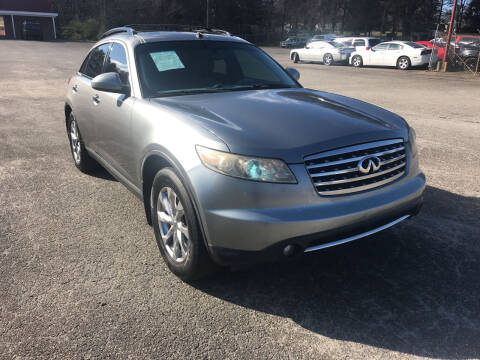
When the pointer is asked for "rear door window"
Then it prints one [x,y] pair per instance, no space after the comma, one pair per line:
[395,47]
[359,42]
[117,62]
[382,46]
[93,64]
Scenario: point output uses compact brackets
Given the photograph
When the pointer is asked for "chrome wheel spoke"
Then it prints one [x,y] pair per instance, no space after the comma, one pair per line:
[169,233]
[164,217]
[184,230]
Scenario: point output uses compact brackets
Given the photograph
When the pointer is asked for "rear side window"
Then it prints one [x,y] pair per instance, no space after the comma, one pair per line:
[382,46]
[93,64]
[359,42]
[117,62]
[395,47]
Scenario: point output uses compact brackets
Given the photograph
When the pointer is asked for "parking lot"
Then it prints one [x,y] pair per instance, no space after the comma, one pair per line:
[81,275]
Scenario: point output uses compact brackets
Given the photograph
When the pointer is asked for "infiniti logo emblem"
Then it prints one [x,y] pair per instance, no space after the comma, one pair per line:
[369,164]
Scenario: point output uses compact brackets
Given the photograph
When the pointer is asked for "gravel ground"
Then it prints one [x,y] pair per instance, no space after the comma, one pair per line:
[81,276]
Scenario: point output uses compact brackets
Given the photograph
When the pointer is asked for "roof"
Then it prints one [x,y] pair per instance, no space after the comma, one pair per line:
[28,13]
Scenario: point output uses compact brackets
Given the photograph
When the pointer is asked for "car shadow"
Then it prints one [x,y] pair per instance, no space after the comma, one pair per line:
[413,288]
[101,173]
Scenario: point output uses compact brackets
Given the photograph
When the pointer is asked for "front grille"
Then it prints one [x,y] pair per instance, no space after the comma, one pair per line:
[338,172]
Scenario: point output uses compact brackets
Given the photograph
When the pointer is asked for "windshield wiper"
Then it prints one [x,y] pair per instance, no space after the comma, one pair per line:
[186,92]
[254,87]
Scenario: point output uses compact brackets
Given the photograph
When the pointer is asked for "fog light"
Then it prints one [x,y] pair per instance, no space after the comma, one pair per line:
[288,250]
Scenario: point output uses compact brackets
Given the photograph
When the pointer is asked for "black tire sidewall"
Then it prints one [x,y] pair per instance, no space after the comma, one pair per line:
[192,267]
[86,163]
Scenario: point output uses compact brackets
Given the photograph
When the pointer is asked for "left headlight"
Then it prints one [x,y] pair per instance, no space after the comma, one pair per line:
[412,139]
[246,167]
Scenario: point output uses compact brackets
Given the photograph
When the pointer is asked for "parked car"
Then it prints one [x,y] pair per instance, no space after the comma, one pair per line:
[294,42]
[324,37]
[359,43]
[326,52]
[468,58]
[233,159]
[32,30]
[440,51]
[402,54]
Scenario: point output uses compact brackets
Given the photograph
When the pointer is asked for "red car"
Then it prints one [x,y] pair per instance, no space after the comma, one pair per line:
[440,50]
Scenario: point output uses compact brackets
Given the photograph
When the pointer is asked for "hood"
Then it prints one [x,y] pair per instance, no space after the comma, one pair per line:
[287,123]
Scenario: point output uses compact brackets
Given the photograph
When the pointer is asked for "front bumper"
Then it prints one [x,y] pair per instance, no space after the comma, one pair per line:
[246,220]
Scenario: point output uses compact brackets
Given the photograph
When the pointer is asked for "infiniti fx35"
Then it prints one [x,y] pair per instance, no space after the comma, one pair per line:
[234,160]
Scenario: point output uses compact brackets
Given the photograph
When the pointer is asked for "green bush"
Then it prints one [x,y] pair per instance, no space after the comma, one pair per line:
[82,30]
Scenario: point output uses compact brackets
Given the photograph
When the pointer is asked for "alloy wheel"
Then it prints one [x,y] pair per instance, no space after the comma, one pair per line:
[403,63]
[328,59]
[75,141]
[172,224]
[357,61]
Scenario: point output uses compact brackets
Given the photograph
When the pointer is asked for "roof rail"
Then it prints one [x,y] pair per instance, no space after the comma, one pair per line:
[123,29]
[134,28]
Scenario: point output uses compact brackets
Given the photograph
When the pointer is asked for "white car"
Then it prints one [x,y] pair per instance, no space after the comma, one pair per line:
[358,42]
[402,54]
[326,52]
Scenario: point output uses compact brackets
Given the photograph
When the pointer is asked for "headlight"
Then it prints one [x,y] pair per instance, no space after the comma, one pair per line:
[246,167]
[412,136]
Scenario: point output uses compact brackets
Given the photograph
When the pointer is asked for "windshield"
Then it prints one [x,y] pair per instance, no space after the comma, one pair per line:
[187,67]
[413,45]
[374,42]
[336,44]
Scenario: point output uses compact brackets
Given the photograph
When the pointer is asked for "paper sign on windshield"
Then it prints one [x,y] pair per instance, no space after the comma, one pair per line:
[167,60]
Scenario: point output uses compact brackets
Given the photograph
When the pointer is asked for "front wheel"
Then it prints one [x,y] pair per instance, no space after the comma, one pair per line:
[403,63]
[357,61]
[470,64]
[328,59]
[176,228]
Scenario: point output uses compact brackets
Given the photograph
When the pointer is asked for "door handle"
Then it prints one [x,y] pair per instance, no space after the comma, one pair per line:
[96,99]
[75,88]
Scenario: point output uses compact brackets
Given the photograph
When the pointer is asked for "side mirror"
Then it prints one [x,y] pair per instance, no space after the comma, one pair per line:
[110,82]
[293,73]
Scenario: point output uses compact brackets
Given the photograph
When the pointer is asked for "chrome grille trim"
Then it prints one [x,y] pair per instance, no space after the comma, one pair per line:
[345,161]
[337,172]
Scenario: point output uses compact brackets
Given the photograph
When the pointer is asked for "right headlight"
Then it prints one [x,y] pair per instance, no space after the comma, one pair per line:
[246,167]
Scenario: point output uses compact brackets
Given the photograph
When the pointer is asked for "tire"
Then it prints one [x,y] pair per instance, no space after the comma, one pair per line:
[470,64]
[178,237]
[403,63]
[80,155]
[328,59]
[296,58]
[357,61]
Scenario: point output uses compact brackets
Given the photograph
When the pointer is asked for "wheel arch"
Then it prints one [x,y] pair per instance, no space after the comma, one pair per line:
[156,160]
[68,110]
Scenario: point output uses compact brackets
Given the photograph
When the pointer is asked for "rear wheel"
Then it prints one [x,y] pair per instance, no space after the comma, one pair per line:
[357,61]
[82,159]
[403,63]
[328,59]
[176,228]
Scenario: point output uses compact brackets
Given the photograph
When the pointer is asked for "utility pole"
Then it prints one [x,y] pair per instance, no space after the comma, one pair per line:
[449,36]
[208,14]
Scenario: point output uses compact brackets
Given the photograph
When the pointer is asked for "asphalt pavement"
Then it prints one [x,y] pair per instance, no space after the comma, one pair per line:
[81,276]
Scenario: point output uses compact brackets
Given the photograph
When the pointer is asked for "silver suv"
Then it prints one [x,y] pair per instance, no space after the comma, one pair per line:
[234,160]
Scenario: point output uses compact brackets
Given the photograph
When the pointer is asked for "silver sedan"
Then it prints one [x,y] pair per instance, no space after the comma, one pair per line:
[326,52]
